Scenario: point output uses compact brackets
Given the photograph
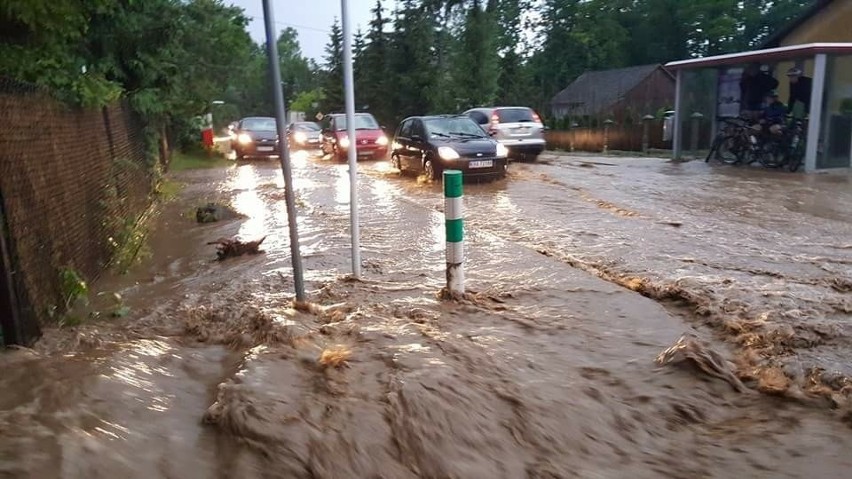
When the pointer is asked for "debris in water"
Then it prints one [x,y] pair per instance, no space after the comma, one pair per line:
[689,348]
[212,212]
[772,380]
[446,295]
[231,248]
[336,356]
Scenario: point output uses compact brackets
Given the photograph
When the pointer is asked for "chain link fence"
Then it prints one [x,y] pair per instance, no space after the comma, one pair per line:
[73,182]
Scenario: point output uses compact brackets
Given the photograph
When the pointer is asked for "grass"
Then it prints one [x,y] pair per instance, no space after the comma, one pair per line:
[168,189]
[193,161]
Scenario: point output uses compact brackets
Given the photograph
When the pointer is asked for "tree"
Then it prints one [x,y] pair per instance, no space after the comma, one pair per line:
[412,59]
[296,73]
[372,79]
[333,82]
[477,62]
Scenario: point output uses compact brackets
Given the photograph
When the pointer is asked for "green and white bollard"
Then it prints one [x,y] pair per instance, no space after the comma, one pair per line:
[454,225]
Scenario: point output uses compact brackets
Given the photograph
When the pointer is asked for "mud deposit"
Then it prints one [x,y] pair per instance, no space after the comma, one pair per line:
[542,371]
[760,259]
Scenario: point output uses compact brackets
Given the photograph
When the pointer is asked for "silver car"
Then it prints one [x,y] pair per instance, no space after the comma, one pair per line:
[517,127]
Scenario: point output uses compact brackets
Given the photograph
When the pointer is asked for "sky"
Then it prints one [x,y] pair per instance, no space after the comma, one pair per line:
[311,18]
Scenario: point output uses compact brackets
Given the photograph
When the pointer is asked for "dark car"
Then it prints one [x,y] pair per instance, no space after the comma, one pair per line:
[371,141]
[432,144]
[255,137]
[304,135]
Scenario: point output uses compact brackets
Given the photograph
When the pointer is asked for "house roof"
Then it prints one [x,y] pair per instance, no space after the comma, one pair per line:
[776,39]
[593,92]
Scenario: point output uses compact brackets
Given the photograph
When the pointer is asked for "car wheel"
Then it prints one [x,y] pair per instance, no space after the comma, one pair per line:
[429,170]
[396,163]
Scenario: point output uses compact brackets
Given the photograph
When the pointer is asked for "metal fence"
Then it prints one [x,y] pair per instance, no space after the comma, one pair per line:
[71,182]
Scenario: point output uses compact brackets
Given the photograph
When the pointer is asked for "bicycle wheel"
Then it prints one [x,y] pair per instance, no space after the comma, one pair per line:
[729,151]
[771,157]
[794,159]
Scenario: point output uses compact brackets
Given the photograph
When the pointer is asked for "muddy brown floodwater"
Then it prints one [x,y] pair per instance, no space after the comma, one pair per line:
[546,370]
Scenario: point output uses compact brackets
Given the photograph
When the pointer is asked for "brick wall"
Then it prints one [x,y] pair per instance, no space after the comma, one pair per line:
[70,180]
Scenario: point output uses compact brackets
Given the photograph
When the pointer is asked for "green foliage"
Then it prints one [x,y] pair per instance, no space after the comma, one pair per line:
[73,288]
[306,101]
[333,75]
[129,245]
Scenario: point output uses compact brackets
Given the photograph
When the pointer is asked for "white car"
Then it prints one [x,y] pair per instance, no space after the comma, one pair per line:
[518,128]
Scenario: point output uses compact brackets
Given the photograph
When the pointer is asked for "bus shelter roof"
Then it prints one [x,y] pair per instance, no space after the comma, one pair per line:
[791,52]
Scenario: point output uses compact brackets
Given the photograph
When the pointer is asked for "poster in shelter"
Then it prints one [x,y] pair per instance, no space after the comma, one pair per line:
[729,93]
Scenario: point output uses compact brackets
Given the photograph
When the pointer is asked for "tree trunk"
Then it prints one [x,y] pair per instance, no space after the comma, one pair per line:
[165,152]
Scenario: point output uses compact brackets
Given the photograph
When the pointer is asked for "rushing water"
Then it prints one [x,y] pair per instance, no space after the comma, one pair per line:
[546,370]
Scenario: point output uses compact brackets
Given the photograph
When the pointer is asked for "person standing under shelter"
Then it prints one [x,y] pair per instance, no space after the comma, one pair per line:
[755,84]
[799,102]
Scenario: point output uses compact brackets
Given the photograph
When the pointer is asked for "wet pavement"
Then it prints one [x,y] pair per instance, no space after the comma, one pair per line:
[582,270]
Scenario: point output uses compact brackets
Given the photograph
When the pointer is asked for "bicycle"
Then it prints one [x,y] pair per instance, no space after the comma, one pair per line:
[784,150]
[734,143]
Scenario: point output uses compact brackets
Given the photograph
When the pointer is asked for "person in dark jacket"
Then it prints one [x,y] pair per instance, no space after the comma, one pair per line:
[800,90]
[755,84]
[774,113]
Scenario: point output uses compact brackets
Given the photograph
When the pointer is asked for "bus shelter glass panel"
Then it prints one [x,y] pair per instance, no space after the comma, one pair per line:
[697,110]
[835,146]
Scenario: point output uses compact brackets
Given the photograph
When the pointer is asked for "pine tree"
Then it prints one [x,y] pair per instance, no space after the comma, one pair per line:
[333,82]
[412,59]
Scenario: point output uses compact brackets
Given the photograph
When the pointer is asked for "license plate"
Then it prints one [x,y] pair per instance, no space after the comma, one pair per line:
[265,148]
[481,164]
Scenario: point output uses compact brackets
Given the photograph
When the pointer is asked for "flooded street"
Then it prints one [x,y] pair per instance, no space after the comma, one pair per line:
[581,270]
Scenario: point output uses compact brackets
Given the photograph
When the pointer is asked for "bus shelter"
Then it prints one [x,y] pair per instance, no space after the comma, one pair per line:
[708,90]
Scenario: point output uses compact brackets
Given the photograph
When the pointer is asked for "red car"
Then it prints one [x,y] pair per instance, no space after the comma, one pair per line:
[370,140]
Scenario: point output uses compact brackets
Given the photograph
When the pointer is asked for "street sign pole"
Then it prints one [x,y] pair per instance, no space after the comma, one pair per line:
[284,154]
[349,89]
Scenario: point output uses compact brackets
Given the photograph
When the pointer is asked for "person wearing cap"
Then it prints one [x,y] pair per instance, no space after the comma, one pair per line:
[800,89]
[755,84]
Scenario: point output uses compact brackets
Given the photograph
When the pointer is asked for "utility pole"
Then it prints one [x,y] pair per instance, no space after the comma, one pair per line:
[284,153]
[349,89]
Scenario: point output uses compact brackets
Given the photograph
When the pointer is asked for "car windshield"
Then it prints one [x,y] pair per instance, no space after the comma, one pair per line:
[459,126]
[259,124]
[306,127]
[515,115]
[362,122]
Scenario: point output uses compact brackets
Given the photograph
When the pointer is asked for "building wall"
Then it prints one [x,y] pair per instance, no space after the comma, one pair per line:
[656,92]
[831,24]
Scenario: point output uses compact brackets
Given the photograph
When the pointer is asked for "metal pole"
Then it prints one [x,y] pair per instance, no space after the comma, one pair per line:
[349,90]
[677,128]
[815,114]
[284,153]
[454,230]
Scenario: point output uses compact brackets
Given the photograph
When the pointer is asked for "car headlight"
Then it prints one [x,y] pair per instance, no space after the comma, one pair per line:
[382,140]
[244,138]
[344,142]
[502,151]
[300,137]
[447,153]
